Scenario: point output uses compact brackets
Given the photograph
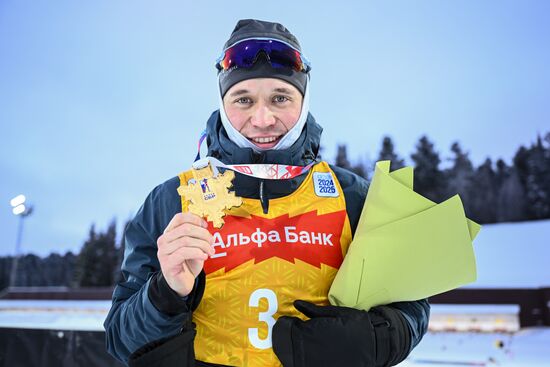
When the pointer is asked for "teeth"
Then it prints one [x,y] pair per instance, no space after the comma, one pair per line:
[265,140]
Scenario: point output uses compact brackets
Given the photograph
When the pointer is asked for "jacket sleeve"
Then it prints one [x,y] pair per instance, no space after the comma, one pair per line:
[415,313]
[144,308]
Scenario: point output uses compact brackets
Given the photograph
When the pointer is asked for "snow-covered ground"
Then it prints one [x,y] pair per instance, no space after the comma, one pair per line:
[513,255]
[526,348]
[53,315]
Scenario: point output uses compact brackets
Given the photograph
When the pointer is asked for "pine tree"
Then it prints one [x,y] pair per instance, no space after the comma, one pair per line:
[5,268]
[484,184]
[538,190]
[532,165]
[387,153]
[428,179]
[342,157]
[57,270]
[459,177]
[97,259]
[501,173]
[29,271]
[342,161]
[510,199]
[118,276]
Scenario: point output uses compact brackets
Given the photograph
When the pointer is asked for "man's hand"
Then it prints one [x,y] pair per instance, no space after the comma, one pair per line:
[333,336]
[182,250]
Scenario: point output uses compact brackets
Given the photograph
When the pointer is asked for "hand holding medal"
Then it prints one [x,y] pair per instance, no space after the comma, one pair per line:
[182,249]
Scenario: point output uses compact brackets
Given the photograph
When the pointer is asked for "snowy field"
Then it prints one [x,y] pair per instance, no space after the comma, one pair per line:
[513,255]
[527,347]
[53,315]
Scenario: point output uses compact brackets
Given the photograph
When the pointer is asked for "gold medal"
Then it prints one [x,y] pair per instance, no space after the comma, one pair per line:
[209,196]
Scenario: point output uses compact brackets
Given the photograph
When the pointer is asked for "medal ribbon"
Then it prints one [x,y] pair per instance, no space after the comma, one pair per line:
[264,171]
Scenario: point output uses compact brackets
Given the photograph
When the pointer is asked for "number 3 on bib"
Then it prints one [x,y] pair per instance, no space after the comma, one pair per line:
[266,316]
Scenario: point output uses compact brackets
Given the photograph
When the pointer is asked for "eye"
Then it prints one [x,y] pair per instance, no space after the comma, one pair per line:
[280,99]
[243,100]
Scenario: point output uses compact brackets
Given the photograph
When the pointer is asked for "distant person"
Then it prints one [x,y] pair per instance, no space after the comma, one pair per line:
[256,289]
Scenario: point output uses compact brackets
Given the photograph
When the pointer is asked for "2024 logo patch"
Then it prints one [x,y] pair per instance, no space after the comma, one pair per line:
[324,184]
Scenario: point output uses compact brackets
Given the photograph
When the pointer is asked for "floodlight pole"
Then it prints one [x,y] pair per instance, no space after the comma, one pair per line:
[13,272]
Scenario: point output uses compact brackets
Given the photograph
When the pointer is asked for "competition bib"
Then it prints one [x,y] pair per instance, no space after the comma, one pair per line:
[264,262]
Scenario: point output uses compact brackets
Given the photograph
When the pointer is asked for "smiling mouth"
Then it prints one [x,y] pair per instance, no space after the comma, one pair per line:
[265,140]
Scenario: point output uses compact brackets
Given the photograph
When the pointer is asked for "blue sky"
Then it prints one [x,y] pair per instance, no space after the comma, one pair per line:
[102,101]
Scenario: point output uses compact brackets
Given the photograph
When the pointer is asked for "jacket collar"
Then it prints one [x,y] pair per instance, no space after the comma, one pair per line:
[301,153]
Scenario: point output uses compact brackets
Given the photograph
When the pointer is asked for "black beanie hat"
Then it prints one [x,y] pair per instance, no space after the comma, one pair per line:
[250,28]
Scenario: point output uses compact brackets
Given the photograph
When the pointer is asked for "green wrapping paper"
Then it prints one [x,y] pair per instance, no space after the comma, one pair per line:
[406,247]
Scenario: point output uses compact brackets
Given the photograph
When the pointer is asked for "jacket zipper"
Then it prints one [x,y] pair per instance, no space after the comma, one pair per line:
[263,199]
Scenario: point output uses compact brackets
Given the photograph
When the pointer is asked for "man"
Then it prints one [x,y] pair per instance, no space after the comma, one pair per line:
[257,288]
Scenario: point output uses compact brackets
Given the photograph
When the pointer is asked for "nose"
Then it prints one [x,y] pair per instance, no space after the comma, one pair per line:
[262,116]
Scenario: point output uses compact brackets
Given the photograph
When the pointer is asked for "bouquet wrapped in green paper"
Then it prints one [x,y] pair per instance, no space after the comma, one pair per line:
[406,247]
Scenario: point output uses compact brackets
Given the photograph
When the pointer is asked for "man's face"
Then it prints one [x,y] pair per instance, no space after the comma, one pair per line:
[263,109]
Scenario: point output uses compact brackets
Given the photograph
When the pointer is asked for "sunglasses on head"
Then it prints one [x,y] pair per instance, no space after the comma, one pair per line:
[244,54]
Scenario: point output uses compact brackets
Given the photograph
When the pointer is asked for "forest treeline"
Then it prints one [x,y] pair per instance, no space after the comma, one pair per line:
[491,192]
[96,265]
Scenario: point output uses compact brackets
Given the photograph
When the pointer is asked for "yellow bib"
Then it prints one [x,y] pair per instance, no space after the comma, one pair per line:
[264,262]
